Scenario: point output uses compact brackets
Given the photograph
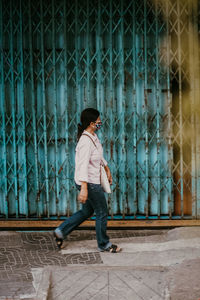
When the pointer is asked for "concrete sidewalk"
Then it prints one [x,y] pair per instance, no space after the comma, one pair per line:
[154,264]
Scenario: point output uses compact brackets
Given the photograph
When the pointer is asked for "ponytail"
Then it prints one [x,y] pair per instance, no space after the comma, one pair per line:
[80,131]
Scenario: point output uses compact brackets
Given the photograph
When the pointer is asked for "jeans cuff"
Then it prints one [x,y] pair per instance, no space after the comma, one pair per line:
[107,246]
[59,233]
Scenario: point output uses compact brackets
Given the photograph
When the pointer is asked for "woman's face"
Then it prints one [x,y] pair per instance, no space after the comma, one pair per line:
[97,124]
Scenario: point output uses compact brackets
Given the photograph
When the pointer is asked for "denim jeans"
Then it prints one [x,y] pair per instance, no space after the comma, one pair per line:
[96,202]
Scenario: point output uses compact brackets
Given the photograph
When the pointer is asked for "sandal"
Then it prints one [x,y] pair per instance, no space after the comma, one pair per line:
[113,249]
[59,241]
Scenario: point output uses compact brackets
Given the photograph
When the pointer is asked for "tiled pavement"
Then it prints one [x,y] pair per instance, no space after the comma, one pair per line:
[107,284]
[156,265]
[20,252]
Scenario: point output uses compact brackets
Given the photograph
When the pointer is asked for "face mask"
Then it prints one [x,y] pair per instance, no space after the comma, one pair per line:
[98,125]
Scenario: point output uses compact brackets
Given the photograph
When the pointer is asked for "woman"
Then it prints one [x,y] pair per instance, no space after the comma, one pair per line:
[89,155]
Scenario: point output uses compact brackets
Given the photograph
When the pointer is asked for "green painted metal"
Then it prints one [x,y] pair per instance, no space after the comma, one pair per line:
[24,195]
[34,148]
[121,113]
[158,110]
[44,110]
[3,165]
[112,151]
[146,136]
[134,61]
[169,126]
[180,106]
[66,122]
[134,114]
[13,73]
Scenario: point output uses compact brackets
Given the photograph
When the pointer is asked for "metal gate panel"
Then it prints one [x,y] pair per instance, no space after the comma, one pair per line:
[138,63]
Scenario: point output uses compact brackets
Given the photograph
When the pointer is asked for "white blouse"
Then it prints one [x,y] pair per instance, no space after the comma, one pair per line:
[88,159]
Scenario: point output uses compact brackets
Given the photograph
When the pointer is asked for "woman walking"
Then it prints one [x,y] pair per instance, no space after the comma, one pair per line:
[88,158]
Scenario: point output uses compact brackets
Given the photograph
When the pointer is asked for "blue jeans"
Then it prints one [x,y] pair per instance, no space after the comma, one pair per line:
[96,202]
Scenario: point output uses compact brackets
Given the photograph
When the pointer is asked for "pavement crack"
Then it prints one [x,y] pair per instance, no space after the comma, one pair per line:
[130,287]
[142,281]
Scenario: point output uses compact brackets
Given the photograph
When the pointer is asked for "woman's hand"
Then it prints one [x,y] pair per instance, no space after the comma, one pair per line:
[83,195]
[108,174]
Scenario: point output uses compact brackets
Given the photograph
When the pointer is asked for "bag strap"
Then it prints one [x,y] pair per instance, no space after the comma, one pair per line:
[90,138]
[94,144]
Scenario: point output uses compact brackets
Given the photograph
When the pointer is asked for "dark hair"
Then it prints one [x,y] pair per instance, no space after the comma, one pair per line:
[88,115]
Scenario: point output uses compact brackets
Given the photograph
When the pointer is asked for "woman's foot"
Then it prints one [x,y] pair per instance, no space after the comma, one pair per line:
[113,249]
[59,241]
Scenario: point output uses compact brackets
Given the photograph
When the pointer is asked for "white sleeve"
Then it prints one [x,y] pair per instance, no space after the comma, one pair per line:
[104,161]
[84,155]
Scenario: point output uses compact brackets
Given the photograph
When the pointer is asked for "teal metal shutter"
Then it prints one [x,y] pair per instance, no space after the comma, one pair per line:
[135,61]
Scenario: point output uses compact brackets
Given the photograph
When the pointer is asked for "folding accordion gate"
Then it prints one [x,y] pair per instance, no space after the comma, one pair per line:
[138,63]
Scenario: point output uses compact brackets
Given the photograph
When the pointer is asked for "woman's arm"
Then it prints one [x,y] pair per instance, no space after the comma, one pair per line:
[83,160]
[108,174]
[83,195]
